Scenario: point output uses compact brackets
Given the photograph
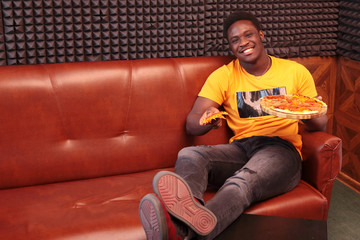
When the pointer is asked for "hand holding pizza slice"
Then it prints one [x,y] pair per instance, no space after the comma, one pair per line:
[213,117]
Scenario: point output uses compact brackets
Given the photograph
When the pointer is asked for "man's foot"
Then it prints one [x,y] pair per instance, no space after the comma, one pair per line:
[155,219]
[176,195]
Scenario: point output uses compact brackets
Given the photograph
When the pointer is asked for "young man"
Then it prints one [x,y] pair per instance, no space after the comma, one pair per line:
[263,158]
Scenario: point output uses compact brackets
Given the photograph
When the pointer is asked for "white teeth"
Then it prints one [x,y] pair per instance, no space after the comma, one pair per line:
[248,50]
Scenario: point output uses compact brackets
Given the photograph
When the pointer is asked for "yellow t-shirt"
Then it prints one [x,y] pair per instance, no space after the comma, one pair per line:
[239,92]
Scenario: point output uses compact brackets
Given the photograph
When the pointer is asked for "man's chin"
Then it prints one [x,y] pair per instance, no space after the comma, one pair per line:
[250,59]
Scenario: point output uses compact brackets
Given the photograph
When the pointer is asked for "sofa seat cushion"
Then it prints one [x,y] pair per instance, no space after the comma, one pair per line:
[99,208]
[106,208]
[304,201]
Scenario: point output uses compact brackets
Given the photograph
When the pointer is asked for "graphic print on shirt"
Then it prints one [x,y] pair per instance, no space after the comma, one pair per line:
[248,103]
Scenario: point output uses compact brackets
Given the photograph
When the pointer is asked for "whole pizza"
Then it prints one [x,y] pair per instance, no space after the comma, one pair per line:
[293,106]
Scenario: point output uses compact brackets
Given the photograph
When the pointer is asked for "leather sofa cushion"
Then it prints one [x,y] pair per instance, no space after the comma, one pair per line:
[107,208]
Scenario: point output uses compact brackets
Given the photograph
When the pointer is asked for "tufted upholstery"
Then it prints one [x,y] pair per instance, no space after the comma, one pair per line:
[80,143]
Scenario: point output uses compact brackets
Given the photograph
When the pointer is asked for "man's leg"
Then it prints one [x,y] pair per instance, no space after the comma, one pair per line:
[203,165]
[177,197]
[174,193]
[156,221]
[269,172]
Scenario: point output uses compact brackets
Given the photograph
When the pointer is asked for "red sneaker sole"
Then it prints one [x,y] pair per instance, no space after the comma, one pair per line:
[154,223]
[179,201]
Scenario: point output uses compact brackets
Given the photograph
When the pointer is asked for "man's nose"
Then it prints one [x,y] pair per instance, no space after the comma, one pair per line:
[243,42]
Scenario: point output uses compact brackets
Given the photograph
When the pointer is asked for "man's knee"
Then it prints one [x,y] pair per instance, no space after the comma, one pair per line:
[187,153]
[243,184]
[194,155]
[243,179]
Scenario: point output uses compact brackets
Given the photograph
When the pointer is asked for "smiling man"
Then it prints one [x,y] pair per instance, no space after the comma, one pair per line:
[263,157]
[245,39]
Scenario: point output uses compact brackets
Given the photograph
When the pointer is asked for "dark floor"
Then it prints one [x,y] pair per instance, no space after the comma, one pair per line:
[344,213]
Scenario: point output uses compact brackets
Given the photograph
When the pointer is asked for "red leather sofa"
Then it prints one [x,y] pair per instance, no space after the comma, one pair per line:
[81,142]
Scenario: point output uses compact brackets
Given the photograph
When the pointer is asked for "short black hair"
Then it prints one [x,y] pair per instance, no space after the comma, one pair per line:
[240,15]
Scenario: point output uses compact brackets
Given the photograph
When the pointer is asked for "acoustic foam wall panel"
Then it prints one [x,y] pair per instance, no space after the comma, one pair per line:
[349,29]
[2,47]
[38,31]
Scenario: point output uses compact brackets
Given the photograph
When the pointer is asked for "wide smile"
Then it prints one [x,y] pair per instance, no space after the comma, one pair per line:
[247,51]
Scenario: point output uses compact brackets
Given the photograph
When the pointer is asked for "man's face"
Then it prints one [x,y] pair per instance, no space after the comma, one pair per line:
[245,41]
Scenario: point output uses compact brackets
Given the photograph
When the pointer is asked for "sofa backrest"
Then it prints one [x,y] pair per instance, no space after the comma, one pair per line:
[68,121]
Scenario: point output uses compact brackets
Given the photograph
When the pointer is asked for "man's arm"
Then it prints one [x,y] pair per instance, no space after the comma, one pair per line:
[316,124]
[203,107]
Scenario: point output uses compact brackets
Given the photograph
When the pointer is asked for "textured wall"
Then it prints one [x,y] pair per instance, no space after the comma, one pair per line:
[349,29]
[38,31]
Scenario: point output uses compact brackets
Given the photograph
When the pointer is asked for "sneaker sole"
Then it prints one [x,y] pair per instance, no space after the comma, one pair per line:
[180,203]
[153,218]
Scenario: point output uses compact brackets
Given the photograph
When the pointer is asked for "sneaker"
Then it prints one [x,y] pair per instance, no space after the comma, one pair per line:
[156,220]
[176,195]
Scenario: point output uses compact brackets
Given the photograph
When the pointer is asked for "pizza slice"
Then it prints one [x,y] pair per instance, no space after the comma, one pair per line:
[215,116]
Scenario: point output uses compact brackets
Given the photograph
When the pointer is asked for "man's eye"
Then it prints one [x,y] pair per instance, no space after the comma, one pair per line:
[249,35]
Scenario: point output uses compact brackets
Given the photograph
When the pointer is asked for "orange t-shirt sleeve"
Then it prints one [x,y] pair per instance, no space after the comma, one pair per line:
[215,85]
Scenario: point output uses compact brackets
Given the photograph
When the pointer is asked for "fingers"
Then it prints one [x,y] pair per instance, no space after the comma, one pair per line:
[217,123]
[319,97]
[212,117]
[209,112]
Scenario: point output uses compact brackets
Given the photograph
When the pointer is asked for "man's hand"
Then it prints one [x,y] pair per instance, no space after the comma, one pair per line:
[319,97]
[316,124]
[202,108]
[216,123]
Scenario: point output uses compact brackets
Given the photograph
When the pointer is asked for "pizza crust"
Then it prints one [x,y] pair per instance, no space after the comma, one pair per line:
[287,111]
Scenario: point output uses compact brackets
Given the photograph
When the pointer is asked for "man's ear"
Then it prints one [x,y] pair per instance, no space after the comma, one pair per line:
[262,36]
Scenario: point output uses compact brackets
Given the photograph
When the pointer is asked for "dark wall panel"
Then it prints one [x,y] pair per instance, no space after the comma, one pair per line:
[349,29]
[39,31]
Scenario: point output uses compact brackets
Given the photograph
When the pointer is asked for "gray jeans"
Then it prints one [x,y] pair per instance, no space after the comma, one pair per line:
[243,172]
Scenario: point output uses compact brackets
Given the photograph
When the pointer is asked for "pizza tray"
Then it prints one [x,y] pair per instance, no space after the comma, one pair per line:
[274,112]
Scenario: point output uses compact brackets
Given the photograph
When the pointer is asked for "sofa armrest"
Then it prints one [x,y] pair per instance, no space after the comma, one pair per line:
[322,157]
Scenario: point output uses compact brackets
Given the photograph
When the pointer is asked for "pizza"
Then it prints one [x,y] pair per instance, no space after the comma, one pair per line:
[293,106]
[215,116]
